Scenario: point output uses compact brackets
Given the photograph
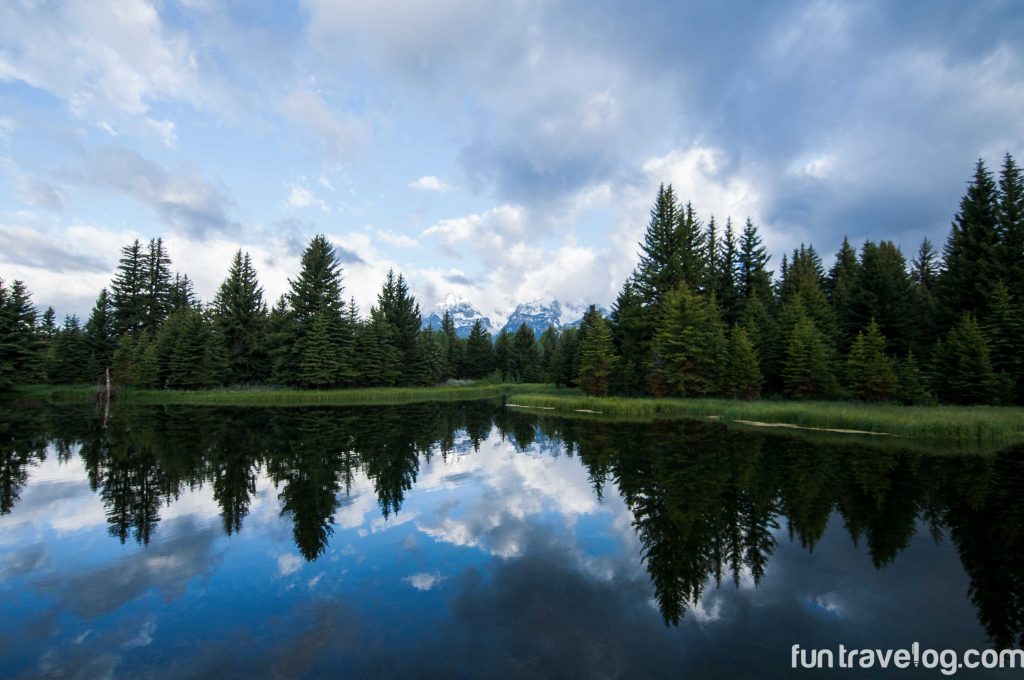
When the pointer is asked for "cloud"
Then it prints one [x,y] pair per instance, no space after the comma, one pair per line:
[398,240]
[301,197]
[340,135]
[288,564]
[40,194]
[183,200]
[430,183]
[424,580]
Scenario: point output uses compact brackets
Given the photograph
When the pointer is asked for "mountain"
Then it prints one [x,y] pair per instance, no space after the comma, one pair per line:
[545,312]
[463,315]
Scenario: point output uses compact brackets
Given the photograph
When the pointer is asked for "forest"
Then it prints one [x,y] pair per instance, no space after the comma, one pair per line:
[701,315]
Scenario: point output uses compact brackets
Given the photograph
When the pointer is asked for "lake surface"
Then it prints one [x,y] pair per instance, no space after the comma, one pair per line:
[476,540]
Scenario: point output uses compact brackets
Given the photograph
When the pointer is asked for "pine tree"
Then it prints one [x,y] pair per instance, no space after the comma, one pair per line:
[454,347]
[128,291]
[726,289]
[871,375]
[479,360]
[970,265]
[804,276]
[963,369]
[743,371]
[1010,250]
[597,358]
[692,249]
[564,361]
[318,364]
[182,294]
[377,362]
[754,278]
[525,358]
[839,285]
[807,365]
[99,332]
[924,317]
[241,318]
[913,388]
[198,359]
[428,365]
[884,292]
[48,325]
[548,340]
[503,355]
[156,290]
[399,309]
[660,268]
[69,359]
[632,332]
[1004,331]
[690,346]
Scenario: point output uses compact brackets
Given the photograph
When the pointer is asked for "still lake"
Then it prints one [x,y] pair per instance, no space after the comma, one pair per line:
[471,539]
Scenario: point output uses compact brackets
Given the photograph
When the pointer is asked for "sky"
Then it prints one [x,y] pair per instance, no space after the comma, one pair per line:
[502,151]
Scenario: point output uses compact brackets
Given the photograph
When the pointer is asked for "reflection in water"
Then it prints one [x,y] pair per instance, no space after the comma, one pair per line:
[707,502]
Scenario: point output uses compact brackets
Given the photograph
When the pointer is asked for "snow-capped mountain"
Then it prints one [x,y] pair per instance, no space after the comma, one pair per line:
[545,312]
[463,315]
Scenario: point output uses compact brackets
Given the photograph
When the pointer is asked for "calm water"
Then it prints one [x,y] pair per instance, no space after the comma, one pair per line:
[466,540]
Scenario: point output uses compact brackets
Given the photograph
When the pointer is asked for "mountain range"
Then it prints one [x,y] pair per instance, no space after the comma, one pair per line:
[538,315]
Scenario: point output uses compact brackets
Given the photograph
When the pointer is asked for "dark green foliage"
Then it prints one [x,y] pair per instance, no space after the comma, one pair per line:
[743,368]
[754,278]
[524,360]
[99,333]
[157,287]
[689,346]
[970,263]
[454,347]
[21,347]
[870,374]
[913,386]
[69,356]
[503,354]
[924,315]
[397,308]
[962,367]
[726,274]
[479,352]
[597,359]
[660,269]
[48,324]
[198,358]
[1010,252]
[839,289]
[632,334]
[241,318]
[565,361]
[547,342]
[884,292]
[376,359]
[128,291]
[429,360]
[807,369]
[1004,330]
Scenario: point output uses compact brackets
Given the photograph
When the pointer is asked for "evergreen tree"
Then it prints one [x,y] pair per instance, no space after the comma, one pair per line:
[316,292]
[924,317]
[726,289]
[69,360]
[241,318]
[970,265]
[21,348]
[429,359]
[454,347]
[479,352]
[743,371]
[754,278]
[632,333]
[691,249]
[128,291]
[597,358]
[1010,249]
[377,362]
[565,360]
[198,358]
[1004,331]
[963,369]
[689,346]
[913,388]
[525,357]
[807,366]
[503,355]
[660,269]
[99,333]
[871,375]
[548,340]
[884,292]
[839,285]
[48,325]
[156,290]
[182,294]
[399,310]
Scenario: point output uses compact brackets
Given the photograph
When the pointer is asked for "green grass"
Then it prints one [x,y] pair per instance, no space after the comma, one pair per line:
[266,396]
[972,425]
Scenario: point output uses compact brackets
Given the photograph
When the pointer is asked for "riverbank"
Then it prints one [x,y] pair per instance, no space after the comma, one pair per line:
[267,396]
[969,425]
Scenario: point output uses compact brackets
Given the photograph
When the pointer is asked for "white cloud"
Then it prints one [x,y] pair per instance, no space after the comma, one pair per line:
[340,134]
[301,197]
[288,564]
[430,183]
[424,581]
[398,240]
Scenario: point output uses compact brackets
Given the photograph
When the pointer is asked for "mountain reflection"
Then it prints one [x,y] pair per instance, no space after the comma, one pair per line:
[708,503]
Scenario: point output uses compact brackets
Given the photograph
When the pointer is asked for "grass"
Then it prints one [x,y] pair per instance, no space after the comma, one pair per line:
[266,396]
[971,425]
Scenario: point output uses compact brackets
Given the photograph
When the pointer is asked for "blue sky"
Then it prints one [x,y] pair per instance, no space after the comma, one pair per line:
[501,151]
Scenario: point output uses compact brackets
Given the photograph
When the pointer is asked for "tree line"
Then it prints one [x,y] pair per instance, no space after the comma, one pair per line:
[701,315]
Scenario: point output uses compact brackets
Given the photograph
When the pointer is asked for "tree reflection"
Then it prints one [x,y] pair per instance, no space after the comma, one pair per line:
[709,503]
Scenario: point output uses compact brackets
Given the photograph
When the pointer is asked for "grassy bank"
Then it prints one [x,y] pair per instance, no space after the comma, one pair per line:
[972,425]
[285,397]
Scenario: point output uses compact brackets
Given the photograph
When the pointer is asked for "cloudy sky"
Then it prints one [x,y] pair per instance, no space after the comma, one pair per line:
[503,151]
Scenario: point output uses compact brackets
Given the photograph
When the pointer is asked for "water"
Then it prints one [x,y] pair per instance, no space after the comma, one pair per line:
[468,539]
